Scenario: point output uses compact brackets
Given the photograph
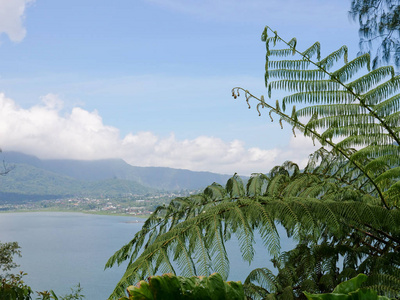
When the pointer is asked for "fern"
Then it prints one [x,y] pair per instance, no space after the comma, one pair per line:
[344,203]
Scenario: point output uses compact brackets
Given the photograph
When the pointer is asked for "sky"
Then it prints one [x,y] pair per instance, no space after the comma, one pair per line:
[149,81]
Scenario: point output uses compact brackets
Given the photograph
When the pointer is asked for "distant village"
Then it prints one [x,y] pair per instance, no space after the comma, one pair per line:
[129,204]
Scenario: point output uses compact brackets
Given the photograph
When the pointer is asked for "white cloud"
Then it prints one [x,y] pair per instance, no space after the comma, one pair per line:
[203,153]
[43,130]
[12,13]
[298,150]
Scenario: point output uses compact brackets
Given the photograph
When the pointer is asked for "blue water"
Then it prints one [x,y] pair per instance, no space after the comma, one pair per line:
[60,250]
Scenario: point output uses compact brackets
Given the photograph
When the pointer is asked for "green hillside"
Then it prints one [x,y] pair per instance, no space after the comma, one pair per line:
[36,179]
[27,182]
[95,170]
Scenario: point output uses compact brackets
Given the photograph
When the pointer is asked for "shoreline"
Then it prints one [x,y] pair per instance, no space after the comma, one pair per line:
[100,213]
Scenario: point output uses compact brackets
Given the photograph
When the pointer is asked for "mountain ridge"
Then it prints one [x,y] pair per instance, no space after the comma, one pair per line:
[60,176]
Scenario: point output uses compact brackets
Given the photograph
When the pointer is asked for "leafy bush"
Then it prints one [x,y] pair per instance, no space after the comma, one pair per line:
[171,287]
[349,290]
[13,288]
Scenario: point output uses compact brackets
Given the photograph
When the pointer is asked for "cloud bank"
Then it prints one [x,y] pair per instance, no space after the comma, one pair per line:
[12,13]
[44,130]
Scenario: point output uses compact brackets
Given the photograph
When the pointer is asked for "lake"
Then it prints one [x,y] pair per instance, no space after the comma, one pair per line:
[60,250]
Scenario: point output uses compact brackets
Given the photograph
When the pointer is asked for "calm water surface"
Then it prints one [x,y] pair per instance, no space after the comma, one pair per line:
[60,250]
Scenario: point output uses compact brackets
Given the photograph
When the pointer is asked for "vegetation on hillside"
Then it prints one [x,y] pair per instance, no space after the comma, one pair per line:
[36,182]
[342,208]
[63,176]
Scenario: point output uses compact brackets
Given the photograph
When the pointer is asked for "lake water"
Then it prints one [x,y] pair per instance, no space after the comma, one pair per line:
[60,250]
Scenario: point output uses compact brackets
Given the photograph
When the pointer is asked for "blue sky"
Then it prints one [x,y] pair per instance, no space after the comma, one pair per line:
[149,80]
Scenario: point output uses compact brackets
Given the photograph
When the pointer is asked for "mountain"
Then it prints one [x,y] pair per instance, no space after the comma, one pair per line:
[110,177]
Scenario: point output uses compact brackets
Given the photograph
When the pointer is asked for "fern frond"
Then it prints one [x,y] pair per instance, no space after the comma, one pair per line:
[350,69]
[332,110]
[215,191]
[244,233]
[281,52]
[331,97]
[276,185]
[255,184]
[328,61]
[255,292]
[366,82]
[292,44]
[265,222]
[305,86]
[163,264]
[311,51]
[382,92]
[265,279]
[217,247]
[389,175]
[342,120]
[351,130]
[393,120]
[297,74]
[381,164]
[288,64]
[235,187]
[355,141]
[388,106]
[183,257]
[374,151]
[199,248]
[388,285]
[296,186]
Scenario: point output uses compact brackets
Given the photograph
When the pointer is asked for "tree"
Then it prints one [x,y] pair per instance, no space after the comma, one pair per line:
[12,286]
[379,27]
[7,253]
[344,203]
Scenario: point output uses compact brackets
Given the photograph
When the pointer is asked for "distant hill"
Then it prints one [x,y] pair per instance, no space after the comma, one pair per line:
[51,178]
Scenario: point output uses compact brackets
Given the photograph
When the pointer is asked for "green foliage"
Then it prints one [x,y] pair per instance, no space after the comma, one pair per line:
[343,204]
[13,288]
[33,181]
[32,178]
[7,252]
[348,290]
[356,112]
[174,287]
[350,285]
